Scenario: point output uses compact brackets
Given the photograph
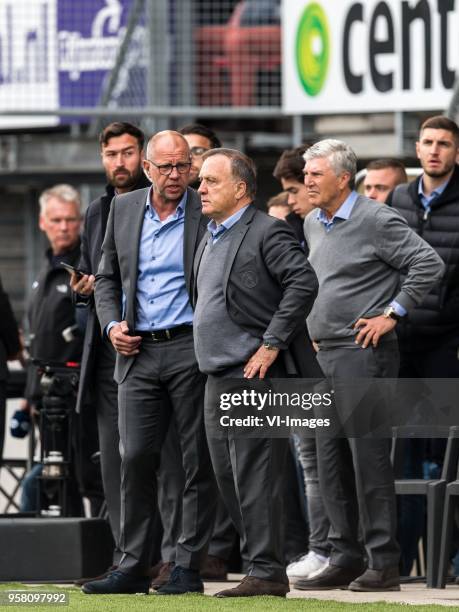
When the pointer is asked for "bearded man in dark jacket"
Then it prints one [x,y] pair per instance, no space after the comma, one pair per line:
[121,148]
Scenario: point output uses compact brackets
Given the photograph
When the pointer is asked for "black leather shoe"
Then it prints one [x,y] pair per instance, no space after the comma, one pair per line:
[332,577]
[117,582]
[182,581]
[387,579]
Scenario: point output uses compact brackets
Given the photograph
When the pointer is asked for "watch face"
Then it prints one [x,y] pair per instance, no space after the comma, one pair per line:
[390,313]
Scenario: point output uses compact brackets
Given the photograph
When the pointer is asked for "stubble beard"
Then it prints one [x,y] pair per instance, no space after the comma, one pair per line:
[126,181]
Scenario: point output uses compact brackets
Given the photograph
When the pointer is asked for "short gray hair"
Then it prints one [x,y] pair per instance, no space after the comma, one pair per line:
[340,155]
[242,167]
[62,191]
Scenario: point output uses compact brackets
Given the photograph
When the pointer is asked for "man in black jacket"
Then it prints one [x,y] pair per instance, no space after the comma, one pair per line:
[53,326]
[429,335]
[9,349]
[121,147]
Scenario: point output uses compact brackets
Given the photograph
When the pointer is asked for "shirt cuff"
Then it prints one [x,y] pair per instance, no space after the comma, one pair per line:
[109,326]
[398,308]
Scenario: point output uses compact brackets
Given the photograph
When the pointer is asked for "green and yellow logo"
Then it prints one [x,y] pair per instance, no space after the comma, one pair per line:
[313,48]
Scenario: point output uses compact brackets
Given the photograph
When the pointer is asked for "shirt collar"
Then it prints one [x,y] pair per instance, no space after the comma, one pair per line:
[179,211]
[227,224]
[435,193]
[343,212]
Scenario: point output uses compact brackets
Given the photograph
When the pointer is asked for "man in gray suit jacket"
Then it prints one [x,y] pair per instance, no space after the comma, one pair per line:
[142,300]
[253,290]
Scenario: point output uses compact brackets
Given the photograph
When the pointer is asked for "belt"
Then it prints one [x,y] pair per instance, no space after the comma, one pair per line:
[164,335]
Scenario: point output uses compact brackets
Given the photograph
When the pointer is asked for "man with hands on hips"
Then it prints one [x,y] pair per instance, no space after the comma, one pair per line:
[358,249]
[253,288]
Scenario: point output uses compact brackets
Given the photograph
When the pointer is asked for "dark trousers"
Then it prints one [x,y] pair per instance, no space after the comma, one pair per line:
[86,443]
[163,383]
[355,474]
[171,483]
[250,476]
[106,399]
[170,474]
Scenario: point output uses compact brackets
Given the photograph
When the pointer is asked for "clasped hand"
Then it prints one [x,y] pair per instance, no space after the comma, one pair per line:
[123,343]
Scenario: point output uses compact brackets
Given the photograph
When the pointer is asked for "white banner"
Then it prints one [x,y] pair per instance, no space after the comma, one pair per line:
[28,76]
[369,56]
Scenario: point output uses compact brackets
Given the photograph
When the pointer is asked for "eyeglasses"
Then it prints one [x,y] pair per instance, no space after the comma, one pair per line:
[198,151]
[166,169]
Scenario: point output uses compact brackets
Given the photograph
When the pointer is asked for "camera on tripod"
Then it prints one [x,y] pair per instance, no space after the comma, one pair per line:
[59,384]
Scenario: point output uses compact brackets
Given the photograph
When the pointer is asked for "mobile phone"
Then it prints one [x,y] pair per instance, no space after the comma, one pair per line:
[71,269]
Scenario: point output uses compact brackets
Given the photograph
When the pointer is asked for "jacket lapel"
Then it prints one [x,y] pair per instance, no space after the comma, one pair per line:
[135,213]
[197,263]
[241,231]
[193,213]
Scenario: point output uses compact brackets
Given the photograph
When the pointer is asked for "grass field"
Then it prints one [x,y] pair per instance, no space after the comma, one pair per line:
[197,603]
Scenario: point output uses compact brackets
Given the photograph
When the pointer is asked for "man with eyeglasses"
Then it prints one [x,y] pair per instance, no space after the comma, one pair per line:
[143,303]
[200,139]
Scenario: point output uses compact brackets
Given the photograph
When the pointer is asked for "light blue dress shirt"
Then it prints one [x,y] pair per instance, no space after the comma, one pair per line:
[217,231]
[162,300]
[426,200]
[343,212]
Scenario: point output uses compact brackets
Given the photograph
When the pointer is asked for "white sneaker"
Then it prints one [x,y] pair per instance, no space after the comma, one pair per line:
[307,566]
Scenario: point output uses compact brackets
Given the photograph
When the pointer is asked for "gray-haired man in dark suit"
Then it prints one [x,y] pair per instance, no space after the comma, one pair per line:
[253,290]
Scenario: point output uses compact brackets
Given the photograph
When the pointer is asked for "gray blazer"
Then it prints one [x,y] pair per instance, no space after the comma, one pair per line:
[118,268]
[270,286]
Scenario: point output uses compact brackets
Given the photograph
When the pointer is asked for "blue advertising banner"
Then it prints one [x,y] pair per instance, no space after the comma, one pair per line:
[58,53]
[89,35]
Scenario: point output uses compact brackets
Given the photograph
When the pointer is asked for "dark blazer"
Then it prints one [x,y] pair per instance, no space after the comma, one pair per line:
[270,286]
[118,268]
[95,224]
[9,336]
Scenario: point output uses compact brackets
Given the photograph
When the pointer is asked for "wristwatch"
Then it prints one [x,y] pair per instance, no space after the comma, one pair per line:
[390,313]
[269,346]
